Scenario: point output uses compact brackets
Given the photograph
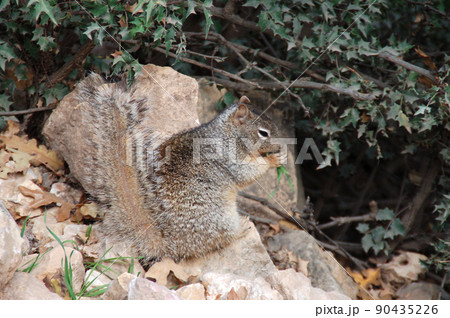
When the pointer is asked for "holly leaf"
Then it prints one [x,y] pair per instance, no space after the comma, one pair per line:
[385,215]
[396,228]
[42,6]
[362,228]
[367,242]
[403,120]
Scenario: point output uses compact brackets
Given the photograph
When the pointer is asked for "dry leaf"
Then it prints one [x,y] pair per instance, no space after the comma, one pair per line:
[367,278]
[288,225]
[42,198]
[13,162]
[232,295]
[403,268]
[39,154]
[426,59]
[89,211]
[161,270]
[13,129]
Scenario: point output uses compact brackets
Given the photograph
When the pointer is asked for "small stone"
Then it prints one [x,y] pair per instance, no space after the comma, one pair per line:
[12,246]
[24,286]
[219,285]
[50,265]
[192,292]
[118,289]
[296,286]
[418,291]
[143,289]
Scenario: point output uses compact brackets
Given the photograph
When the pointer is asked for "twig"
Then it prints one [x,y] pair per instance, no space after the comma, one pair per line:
[200,64]
[298,84]
[286,64]
[409,66]
[298,222]
[427,6]
[247,64]
[257,218]
[27,111]
[67,68]
[356,261]
[347,219]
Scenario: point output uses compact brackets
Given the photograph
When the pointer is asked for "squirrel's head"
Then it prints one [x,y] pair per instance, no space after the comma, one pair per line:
[254,131]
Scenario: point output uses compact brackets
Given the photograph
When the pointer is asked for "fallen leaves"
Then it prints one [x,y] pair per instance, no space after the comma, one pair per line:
[42,198]
[19,152]
[160,271]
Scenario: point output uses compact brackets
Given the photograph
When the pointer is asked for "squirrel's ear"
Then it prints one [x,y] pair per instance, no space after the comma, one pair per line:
[244,100]
[241,114]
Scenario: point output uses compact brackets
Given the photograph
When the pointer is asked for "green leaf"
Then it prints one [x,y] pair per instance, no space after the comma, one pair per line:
[395,229]
[367,242]
[228,98]
[4,4]
[252,3]
[99,10]
[378,234]
[385,215]
[46,43]
[37,33]
[208,19]
[362,228]
[93,26]
[263,20]
[43,6]
[191,8]
[5,102]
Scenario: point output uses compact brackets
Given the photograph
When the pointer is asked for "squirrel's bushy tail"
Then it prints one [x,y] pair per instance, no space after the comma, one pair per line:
[115,157]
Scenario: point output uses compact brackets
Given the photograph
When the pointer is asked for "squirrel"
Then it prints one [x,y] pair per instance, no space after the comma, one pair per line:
[175,199]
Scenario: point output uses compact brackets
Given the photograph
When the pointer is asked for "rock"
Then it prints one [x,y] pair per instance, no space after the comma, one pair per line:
[173,100]
[24,286]
[118,289]
[418,291]
[294,285]
[40,223]
[49,266]
[220,286]
[322,269]
[143,289]
[208,96]
[12,247]
[192,292]
[245,257]
[74,232]
[95,279]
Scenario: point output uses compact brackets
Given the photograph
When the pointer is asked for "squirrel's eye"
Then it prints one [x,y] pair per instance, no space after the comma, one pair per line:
[264,134]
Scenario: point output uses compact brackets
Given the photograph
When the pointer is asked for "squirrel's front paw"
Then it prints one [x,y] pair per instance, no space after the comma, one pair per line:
[277,159]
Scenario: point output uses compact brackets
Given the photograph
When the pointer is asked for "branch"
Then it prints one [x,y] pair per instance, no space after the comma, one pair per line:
[409,66]
[200,64]
[300,224]
[347,219]
[254,65]
[27,111]
[67,68]
[298,84]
